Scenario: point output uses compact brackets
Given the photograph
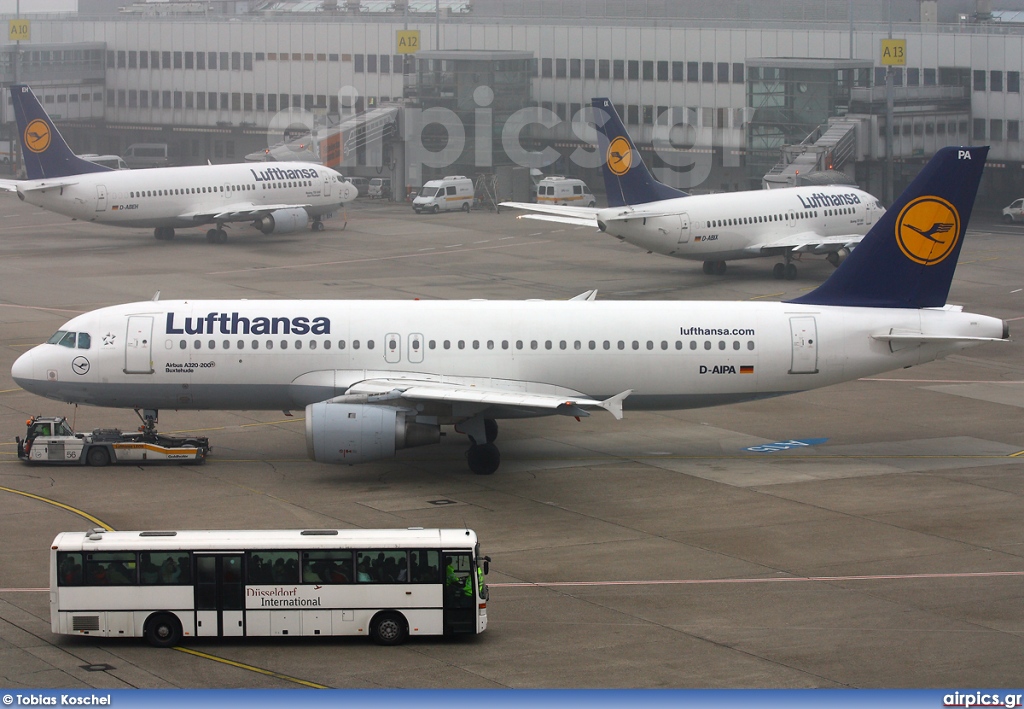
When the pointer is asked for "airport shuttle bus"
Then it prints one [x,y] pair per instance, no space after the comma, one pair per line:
[167,585]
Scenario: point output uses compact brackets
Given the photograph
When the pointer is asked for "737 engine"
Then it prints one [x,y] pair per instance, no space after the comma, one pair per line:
[358,433]
[283,221]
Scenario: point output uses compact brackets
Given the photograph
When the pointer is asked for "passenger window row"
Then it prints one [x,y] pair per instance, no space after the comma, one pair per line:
[221,188]
[459,344]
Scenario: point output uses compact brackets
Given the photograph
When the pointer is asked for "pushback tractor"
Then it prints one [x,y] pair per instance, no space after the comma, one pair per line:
[50,440]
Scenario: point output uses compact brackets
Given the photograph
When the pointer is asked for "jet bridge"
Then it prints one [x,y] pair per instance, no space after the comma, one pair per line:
[339,143]
[826,150]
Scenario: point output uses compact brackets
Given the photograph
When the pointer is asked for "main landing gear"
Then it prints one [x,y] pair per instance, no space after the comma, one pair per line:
[785,270]
[316,225]
[714,268]
[483,458]
[217,236]
[164,233]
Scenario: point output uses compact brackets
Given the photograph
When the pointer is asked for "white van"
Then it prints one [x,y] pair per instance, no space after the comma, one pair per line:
[114,162]
[380,188]
[448,193]
[143,155]
[565,190]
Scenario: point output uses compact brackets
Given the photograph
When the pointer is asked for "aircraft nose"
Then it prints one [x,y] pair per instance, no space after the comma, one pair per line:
[23,369]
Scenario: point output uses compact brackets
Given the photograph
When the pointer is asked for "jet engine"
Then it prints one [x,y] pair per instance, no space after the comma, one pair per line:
[837,257]
[358,433]
[283,221]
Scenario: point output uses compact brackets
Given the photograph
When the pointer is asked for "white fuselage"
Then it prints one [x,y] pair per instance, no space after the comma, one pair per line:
[722,227]
[187,196]
[288,354]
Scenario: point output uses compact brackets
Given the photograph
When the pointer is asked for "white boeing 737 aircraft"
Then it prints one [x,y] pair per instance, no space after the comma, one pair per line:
[788,222]
[377,376]
[275,200]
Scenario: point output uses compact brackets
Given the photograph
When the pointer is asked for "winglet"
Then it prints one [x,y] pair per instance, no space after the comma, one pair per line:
[908,257]
[626,179]
[586,295]
[44,150]
[614,404]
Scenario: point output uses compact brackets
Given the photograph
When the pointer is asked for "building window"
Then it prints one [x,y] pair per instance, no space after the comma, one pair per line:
[144,99]
[385,63]
[200,60]
[589,69]
[177,60]
[165,99]
[913,77]
[371,63]
[737,73]
[648,115]
[618,69]
[133,98]
[575,68]
[143,60]
[132,59]
[995,81]
[236,101]
[189,99]
[929,77]
[247,61]
[121,98]
[995,130]
[211,60]
[723,72]
[633,70]
[211,101]
[633,114]
[603,68]
[979,129]
[692,71]
[224,61]
[678,71]
[111,54]
[272,103]
[247,102]
[561,70]
[707,72]
[190,60]
[1013,131]
[662,71]
[979,80]
[358,63]
[879,76]
[201,100]
[648,68]
[177,99]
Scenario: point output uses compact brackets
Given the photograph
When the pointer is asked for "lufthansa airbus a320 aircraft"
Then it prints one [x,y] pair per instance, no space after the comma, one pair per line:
[273,199]
[789,223]
[377,376]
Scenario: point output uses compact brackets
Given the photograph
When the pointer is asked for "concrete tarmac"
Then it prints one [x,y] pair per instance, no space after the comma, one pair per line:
[655,551]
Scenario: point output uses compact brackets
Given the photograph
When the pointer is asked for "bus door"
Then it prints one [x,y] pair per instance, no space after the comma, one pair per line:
[459,606]
[220,595]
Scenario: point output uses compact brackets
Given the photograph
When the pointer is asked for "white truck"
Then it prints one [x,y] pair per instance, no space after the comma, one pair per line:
[50,440]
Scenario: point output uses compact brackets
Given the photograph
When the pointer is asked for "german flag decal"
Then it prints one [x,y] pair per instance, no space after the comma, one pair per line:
[744,369]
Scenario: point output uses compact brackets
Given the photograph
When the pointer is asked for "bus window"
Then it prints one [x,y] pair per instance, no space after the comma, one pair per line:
[164,568]
[110,569]
[425,566]
[273,567]
[69,569]
[382,567]
[327,567]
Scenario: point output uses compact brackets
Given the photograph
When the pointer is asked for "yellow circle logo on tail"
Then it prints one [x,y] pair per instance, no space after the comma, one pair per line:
[37,136]
[620,156]
[927,230]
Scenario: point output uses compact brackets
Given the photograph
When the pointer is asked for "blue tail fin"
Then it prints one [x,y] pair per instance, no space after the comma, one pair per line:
[908,257]
[44,150]
[626,178]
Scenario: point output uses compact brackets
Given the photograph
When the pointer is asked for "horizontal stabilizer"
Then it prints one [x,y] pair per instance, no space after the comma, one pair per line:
[921,338]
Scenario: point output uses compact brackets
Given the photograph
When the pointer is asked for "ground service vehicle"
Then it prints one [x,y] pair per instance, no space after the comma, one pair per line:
[1015,212]
[380,188]
[166,585]
[49,439]
[114,162]
[450,193]
[565,190]
[361,184]
[145,155]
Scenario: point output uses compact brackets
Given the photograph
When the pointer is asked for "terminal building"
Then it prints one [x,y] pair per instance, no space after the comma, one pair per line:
[719,95]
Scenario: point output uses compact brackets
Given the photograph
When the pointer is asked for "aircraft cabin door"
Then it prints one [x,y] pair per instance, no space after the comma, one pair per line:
[219,595]
[684,228]
[392,348]
[805,345]
[138,345]
[101,198]
[327,185]
[869,214]
[415,349]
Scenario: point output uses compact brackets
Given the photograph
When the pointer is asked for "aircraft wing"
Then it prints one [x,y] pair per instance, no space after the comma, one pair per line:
[371,391]
[579,216]
[809,242]
[33,185]
[240,212]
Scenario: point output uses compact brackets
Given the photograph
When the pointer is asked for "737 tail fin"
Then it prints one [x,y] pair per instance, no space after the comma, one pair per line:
[44,150]
[908,257]
[626,178]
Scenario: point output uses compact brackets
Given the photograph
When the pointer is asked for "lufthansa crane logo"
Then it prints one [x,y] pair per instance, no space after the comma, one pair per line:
[927,230]
[620,156]
[37,136]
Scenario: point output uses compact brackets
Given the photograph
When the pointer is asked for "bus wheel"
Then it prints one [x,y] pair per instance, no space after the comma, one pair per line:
[97,457]
[389,629]
[163,630]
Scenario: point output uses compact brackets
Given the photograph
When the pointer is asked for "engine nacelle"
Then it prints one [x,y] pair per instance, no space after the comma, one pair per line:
[358,433]
[837,257]
[283,221]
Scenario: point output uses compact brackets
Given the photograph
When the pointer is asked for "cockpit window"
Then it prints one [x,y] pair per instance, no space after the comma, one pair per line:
[63,338]
[84,340]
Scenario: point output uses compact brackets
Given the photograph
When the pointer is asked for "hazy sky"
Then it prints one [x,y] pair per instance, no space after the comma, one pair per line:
[27,6]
